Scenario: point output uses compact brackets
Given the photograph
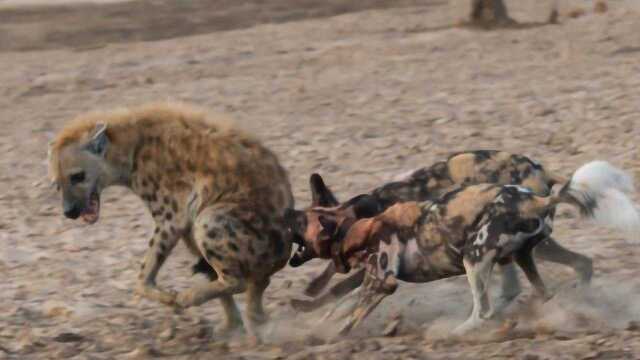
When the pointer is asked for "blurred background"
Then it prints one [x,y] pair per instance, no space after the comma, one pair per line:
[357,90]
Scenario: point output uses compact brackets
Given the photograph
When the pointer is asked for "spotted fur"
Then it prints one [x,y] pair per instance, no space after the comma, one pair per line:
[203,181]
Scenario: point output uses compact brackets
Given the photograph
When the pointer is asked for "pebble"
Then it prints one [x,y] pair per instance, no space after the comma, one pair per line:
[68,337]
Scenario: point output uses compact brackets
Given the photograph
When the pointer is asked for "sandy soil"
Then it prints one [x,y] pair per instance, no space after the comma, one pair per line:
[383,87]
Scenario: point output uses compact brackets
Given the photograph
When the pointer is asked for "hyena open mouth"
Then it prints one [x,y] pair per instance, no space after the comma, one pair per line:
[91,213]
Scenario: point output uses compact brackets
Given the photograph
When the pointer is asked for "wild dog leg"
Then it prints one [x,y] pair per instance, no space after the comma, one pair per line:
[549,250]
[525,260]
[336,292]
[320,282]
[510,287]
[478,261]
[379,282]
[355,295]
[478,275]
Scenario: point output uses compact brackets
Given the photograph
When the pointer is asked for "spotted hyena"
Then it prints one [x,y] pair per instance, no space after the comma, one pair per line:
[429,183]
[467,231]
[204,181]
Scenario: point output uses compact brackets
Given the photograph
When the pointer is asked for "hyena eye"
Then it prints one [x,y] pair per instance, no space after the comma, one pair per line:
[77,178]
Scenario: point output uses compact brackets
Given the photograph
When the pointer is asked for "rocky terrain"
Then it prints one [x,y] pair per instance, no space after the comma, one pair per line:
[357,90]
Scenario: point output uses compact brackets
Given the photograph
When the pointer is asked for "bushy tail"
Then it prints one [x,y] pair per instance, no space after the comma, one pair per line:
[600,191]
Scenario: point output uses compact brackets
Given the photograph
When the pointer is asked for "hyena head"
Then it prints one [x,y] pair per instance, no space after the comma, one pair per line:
[80,171]
[314,229]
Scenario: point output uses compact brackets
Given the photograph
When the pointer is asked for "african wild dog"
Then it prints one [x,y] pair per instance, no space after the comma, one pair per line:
[473,167]
[205,182]
[467,231]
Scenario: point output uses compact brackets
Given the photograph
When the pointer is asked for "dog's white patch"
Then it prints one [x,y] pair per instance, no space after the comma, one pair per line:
[521,189]
[482,236]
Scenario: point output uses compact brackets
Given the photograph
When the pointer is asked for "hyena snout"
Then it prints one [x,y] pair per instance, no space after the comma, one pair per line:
[71,209]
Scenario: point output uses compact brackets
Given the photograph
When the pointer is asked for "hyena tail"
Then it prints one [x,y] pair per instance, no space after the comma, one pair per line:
[601,192]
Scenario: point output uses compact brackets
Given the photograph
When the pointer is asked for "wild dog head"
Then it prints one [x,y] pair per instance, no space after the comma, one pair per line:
[79,169]
[314,228]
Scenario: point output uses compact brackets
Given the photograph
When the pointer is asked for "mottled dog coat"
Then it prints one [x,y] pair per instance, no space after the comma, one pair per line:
[473,167]
[205,182]
[467,231]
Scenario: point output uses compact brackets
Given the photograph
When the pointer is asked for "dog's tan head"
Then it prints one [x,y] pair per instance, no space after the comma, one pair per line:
[315,228]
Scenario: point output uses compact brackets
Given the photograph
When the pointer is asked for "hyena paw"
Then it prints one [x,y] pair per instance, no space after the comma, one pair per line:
[167,297]
[189,298]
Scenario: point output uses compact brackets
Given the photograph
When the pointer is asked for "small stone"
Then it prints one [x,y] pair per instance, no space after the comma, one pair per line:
[67,337]
[562,336]
[168,334]
[54,309]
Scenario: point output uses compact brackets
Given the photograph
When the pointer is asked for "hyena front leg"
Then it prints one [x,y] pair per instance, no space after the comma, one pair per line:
[160,246]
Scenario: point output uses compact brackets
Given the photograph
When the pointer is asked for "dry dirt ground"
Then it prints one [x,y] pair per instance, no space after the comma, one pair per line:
[358,92]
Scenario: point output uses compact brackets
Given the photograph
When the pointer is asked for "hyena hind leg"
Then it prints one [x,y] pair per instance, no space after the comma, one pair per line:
[217,235]
[255,292]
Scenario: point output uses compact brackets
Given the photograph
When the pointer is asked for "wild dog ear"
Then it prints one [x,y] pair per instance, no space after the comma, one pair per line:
[328,224]
[367,206]
[99,142]
[320,193]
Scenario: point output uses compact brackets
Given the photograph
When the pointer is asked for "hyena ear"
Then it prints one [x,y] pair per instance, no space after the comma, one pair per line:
[99,142]
[320,193]
[328,225]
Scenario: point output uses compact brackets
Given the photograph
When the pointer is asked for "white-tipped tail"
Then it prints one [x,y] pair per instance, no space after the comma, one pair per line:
[600,190]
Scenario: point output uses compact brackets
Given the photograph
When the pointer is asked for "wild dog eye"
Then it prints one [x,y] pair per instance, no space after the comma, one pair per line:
[77,178]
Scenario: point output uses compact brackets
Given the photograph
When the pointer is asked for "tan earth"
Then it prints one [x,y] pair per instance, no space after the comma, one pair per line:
[358,90]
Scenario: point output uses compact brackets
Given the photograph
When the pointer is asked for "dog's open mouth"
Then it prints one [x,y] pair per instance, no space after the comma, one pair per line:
[301,256]
[91,213]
